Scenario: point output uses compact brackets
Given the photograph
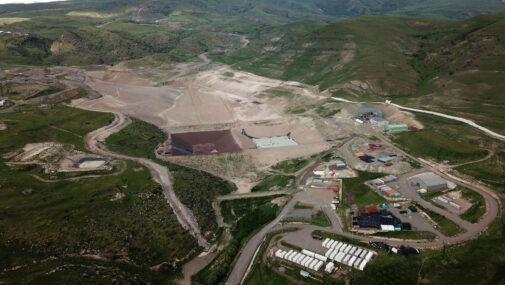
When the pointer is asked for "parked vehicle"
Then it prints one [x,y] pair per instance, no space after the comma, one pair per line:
[314,236]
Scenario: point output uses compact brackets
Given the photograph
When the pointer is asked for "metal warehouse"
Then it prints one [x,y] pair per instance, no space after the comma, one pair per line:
[429,181]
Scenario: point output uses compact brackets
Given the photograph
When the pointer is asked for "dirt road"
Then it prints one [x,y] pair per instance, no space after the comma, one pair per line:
[94,142]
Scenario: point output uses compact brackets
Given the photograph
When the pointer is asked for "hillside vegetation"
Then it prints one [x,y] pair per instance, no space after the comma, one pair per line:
[456,66]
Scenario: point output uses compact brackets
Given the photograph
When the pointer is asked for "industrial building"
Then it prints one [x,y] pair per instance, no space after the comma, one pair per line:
[429,181]
[373,217]
[400,127]
[368,113]
[274,141]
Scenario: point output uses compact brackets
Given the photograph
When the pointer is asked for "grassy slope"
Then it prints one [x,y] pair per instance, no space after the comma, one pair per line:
[251,219]
[335,54]
[67,217]
[196,189]
[443,140]
[30,124]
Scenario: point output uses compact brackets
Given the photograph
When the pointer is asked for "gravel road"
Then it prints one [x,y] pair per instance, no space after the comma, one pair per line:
[94,142]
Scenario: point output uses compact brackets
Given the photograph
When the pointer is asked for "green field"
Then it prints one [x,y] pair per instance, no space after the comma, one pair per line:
[442,140]
[478,208]
[491,171]
[33,123]
[356,192]
[67,218]
[318,219]
[138,139]
[291,166]
[415,235]
[274,182]
[233,210]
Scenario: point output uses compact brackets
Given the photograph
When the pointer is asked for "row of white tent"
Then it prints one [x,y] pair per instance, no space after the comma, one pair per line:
[310,262]
[347,254]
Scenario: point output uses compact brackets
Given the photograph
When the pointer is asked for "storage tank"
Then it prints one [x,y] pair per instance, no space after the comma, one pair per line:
[308,252]
[320,257]
[351,261]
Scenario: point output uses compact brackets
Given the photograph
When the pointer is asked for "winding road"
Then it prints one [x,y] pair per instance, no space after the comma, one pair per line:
[95,142]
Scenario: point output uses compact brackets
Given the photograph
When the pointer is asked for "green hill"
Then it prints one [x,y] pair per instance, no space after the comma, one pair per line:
[457,66]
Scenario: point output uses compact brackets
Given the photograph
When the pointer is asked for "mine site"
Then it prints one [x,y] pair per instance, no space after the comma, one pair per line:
[241,127]
[251,142]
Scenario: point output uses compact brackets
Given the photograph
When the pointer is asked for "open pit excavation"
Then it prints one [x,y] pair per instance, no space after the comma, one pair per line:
[94,141]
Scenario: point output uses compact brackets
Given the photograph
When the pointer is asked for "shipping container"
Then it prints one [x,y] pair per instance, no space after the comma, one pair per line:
[348,248]
[339,256]
[320,257]
[319,181]
[328,252]
[313,264]
[357,262]
[325,242]
[339,246]
[330,266]
[295,257]
[455,205]
[302,263]
[353,249]
[358,252]
[308,252]
[363,264]
[351,261]
[334,254]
